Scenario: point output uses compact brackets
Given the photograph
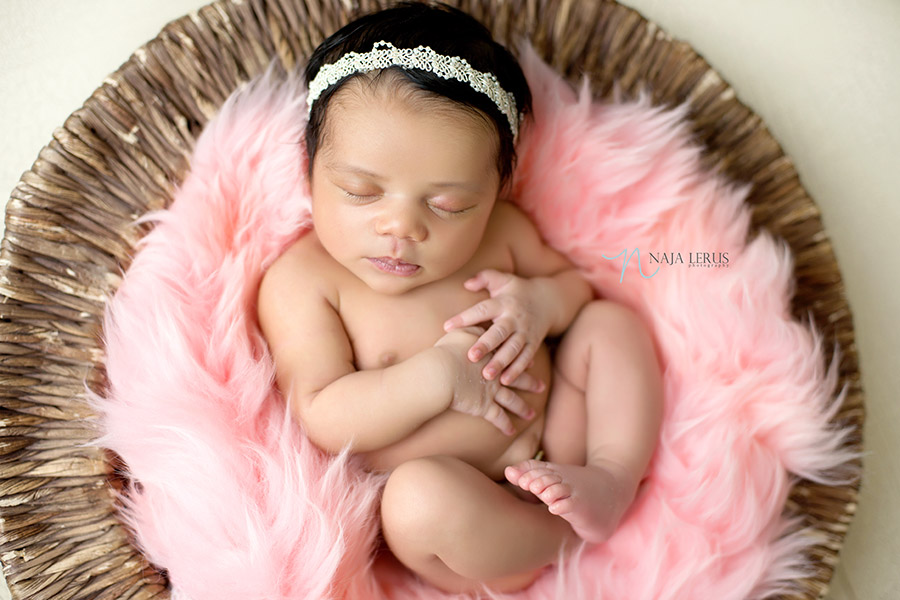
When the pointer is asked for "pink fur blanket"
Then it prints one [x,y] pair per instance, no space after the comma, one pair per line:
[235,503]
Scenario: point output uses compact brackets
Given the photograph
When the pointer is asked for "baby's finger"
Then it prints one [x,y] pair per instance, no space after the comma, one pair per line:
[519,365]
[476,283]
[504,356]
[490,341]
[527,383]
[486,310]
[512,402]
[499,419]
[486,278]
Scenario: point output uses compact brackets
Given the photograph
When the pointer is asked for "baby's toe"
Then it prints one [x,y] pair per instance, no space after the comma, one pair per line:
[539,484]
[529,465]
[562,506]
[513,474]
[555,493]
[534,475]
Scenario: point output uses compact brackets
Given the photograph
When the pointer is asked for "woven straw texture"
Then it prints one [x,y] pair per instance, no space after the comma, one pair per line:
[69,239]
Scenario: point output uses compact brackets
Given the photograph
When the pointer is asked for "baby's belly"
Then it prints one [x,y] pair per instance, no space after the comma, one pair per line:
[473,439]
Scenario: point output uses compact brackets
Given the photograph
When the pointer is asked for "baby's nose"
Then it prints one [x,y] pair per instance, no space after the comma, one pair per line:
[402,225]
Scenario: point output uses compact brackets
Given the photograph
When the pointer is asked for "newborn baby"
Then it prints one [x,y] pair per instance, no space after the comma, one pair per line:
[409,323]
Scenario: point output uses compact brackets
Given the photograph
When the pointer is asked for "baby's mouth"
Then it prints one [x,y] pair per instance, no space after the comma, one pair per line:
[394,266]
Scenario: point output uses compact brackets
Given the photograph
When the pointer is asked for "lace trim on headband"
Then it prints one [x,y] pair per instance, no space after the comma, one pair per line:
[384,54]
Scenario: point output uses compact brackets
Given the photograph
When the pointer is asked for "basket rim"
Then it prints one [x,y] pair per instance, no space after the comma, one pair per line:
[31,251]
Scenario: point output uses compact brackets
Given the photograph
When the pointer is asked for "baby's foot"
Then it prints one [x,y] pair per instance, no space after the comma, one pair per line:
[591,498]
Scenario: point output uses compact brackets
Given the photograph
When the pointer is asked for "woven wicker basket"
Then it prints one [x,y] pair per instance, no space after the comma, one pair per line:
[69,238]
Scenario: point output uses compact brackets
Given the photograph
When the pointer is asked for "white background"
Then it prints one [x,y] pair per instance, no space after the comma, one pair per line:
[823,74]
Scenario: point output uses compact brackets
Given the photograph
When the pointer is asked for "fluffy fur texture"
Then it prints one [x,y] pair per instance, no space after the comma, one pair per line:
[235,502]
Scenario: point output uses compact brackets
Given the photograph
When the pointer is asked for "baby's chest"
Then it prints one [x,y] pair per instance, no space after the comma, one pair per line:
[384,330]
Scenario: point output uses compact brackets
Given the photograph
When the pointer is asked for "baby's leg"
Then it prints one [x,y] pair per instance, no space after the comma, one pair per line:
[603,420]
[460,531]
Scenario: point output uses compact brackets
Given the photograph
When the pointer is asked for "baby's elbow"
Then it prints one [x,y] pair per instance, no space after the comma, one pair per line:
[324,439]
[315,425]
[325,443]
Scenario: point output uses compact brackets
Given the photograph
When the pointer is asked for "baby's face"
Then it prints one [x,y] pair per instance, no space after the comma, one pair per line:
[401,193]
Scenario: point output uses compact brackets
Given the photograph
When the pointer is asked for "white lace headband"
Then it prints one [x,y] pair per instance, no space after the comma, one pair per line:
[384,54]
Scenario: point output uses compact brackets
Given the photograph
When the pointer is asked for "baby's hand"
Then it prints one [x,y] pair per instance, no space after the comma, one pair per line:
[476,396]
[521,320]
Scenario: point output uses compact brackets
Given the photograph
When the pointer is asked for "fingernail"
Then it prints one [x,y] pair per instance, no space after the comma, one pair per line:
[490,372]
[476,354]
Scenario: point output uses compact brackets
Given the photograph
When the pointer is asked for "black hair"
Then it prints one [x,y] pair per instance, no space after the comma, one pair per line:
[448,31]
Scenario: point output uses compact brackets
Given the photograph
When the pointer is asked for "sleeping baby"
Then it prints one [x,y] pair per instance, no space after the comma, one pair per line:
[409,323]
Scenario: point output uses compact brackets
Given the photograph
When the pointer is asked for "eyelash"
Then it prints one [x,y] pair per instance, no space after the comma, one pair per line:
[357,197]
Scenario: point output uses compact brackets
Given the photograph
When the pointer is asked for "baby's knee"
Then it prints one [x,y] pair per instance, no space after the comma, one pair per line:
[609,323]
[605,315]
[415,502]
[601,327]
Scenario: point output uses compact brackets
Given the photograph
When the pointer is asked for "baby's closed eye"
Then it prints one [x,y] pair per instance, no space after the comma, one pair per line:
[356,196]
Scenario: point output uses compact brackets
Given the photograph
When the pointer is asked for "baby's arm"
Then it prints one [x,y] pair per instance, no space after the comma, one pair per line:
[370,409]
[337,404]
[566,289]
[542,296]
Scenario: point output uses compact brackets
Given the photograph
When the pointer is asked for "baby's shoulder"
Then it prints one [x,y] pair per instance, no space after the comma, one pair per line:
[506,215]
[510,223]
[306,250]
[302,269]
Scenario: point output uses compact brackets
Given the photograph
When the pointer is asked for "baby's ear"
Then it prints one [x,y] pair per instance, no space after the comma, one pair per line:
[307,187]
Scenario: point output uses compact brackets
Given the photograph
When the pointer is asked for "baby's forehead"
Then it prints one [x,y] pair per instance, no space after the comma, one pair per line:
[390,86]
